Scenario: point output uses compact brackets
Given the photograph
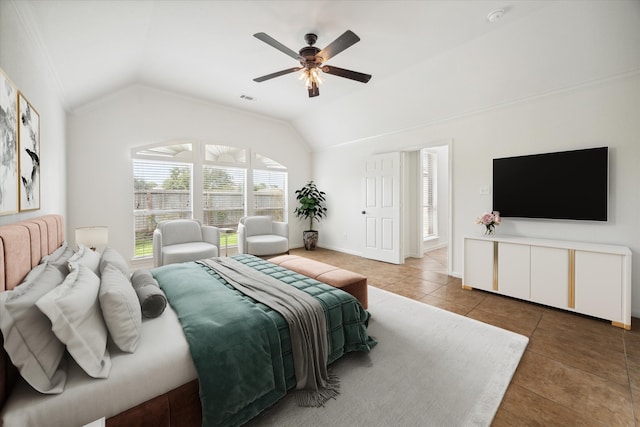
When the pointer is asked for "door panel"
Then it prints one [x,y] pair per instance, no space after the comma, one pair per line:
[381,212]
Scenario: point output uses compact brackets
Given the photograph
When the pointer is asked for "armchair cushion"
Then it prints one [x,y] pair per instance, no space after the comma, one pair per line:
[188,252]
[270,244]
[281,229]
[182,240]
[180,231]
[258,225]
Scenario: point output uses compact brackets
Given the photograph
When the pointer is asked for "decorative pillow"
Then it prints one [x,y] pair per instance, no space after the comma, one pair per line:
[120,309]
[59,258]
[32,346]
[113,257]
[152,299]
[86,257]
[74,311]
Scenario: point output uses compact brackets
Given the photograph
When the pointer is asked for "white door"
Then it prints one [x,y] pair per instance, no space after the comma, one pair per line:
[381,212]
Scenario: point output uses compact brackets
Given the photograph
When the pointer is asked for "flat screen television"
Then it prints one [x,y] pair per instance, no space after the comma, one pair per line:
[563,185]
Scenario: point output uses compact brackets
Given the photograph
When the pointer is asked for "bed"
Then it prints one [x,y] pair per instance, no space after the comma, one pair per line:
[163,362]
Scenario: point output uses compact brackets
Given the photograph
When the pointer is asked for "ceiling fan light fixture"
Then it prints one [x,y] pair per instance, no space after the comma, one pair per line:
[311,76]
[312,59]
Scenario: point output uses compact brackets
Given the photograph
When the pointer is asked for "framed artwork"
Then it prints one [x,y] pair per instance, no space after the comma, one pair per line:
[8,146]
[28,154]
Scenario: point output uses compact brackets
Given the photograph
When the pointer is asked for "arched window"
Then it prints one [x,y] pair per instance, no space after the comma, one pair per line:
[209,182]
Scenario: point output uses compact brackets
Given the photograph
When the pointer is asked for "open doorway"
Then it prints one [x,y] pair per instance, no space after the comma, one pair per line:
[435,197]
[427,212]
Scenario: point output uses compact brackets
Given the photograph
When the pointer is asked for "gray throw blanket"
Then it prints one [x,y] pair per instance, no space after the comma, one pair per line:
[307,326]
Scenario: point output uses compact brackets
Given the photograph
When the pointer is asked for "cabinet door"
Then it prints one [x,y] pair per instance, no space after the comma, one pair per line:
[550,276]
[598,284]
[514,270]
[478,264]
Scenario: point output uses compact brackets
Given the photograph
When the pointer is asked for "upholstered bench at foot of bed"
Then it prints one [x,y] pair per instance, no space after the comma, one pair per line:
[348,281]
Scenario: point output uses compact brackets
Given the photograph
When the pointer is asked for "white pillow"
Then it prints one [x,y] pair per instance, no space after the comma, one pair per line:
[120,309]
[59,258]
[74,311]
[31,345]
[112,257]
[86,257]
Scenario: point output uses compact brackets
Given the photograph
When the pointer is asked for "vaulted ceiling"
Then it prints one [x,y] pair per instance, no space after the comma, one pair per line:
[206,49]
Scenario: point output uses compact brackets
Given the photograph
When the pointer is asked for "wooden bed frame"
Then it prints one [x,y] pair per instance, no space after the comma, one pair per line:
[22,246]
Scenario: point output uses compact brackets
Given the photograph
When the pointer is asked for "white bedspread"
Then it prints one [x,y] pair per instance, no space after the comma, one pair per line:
[161,363]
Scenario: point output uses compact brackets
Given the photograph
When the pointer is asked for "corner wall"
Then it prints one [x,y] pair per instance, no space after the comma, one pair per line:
[26,66]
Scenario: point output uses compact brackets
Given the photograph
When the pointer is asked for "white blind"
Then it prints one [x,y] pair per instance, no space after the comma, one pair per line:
[428,194]
[269,193]
[223,195]
[162,190]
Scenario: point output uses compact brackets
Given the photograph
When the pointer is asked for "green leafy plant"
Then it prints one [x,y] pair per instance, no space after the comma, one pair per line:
[311,204]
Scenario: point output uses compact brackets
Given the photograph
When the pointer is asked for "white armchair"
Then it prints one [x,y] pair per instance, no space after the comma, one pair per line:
[181,240]
[260,236]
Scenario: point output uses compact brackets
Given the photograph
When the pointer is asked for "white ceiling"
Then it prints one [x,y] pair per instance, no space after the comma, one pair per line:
[206,49]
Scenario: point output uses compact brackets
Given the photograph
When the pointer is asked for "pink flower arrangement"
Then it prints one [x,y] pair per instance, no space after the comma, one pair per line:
[489,220]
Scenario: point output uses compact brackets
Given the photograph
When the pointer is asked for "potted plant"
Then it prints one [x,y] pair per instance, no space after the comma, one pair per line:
[312,208]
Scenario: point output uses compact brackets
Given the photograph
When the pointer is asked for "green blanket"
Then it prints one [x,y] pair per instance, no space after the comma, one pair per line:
[241,348]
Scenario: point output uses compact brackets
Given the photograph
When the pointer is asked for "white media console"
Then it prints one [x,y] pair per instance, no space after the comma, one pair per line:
[586,278]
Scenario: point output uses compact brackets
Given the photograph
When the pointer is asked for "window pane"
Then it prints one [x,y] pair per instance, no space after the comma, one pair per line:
[164,187]
[263,162]
[176,151]
[225,154]
[162,190]
[223,196]
[269,194]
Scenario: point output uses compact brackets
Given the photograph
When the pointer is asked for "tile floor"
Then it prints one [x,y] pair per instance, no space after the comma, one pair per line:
[576,371]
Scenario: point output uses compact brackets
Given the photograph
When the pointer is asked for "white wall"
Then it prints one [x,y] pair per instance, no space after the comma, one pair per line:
[24,64]
[603,114]
[102,134]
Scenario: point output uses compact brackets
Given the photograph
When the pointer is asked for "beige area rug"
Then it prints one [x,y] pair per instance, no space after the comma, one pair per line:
[430,368]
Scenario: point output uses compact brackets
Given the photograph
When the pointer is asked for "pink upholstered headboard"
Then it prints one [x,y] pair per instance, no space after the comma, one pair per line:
[22,246]
[24,243]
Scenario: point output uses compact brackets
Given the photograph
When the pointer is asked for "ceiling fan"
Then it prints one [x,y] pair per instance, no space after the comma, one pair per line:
[312,60]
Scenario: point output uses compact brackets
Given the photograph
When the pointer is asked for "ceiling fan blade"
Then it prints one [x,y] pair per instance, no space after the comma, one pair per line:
[347,74]
[346,40]
[314,90]
[277,74]
[275,43]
